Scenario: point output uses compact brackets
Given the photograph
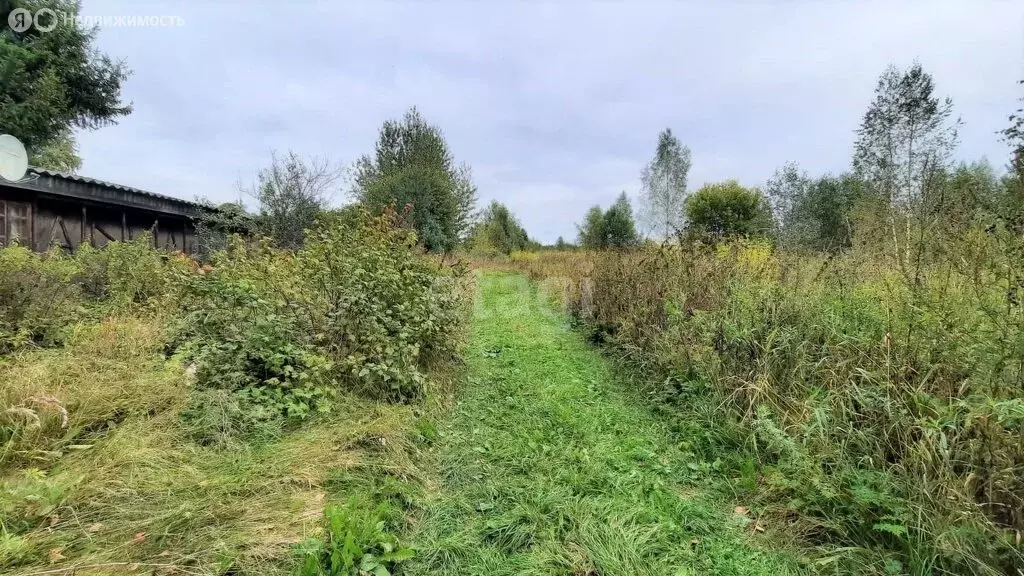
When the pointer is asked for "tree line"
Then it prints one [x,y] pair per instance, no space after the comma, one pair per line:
[902,190]
[902,187]
[667,209]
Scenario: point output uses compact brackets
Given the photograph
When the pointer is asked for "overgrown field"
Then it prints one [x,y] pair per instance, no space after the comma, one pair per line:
[259,415]
[877,412]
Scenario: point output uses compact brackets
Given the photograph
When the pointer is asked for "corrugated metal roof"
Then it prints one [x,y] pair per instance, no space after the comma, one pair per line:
[110,185]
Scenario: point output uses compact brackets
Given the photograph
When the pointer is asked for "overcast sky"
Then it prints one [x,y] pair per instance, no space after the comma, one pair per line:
[556,106]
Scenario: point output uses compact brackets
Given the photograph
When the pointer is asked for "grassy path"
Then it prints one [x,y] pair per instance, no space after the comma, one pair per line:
[548,466]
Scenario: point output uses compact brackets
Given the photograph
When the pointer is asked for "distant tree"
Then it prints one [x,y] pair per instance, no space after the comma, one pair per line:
[663,187]
[619,228]
[906,135]
[812,213]
[215,223]
[498,230]
[291,193]
[425,196]
[1013,204]
[412,166]
[561,244]
[785,189]
[54,82]
[60,153]
[904,141]
[727,209]
[465,199]
[826,211]
[591,232]
[964,195]
[613,228]
[1014,136]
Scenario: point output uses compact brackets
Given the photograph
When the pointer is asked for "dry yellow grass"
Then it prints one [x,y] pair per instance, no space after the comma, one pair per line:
[122,487]
[107,372]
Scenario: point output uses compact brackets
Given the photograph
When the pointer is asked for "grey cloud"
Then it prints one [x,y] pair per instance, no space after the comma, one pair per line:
[556,105]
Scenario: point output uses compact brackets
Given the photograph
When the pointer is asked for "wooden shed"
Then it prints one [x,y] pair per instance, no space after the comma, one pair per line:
[51,208]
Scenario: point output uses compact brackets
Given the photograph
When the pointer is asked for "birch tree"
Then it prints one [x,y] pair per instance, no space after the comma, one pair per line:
[663,187]
[905,139]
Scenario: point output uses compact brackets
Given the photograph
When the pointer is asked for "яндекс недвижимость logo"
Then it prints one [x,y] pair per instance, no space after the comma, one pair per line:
[46,20]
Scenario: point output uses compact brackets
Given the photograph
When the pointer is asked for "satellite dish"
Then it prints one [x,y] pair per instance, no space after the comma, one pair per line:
[13,158]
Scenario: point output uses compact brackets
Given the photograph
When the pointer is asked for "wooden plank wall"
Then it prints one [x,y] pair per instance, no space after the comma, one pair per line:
[69,223]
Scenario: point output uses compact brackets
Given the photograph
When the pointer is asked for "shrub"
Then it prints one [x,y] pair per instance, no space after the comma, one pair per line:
[378,308]
[728,209]
[215,224]
[243,335]
[356,308]
[42,294]
[37,298]
[221,418]
[123,274]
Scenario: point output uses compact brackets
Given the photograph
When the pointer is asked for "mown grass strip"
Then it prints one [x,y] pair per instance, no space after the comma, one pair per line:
[548,466]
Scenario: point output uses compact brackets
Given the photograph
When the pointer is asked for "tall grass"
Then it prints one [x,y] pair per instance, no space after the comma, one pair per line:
[879,414]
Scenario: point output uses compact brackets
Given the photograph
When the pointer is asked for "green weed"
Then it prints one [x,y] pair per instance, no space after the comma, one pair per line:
[355,543]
